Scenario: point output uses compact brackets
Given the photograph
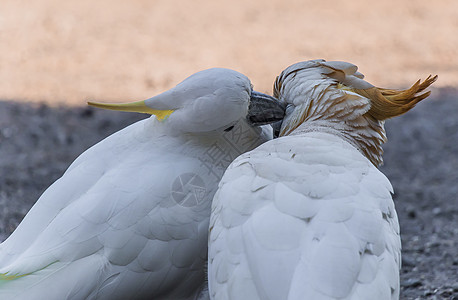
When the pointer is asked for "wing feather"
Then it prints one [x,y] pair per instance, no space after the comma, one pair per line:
[121,226]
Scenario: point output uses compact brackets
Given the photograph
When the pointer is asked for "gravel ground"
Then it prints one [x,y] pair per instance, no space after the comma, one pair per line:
[421,160]
[37,143]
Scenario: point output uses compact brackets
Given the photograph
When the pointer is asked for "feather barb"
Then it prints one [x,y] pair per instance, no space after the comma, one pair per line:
[388,103]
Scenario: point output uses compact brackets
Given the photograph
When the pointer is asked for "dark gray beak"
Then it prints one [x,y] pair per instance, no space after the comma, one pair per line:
[264,109]
[276,127]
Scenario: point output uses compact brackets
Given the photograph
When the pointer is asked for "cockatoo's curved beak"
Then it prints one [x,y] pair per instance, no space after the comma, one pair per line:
[264,109]
[139,106]
[276,127]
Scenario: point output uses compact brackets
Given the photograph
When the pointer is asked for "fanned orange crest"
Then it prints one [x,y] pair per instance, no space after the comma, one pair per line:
[388,103]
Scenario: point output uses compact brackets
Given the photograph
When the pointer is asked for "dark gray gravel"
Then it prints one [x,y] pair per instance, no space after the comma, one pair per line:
[421,160]
[37,143]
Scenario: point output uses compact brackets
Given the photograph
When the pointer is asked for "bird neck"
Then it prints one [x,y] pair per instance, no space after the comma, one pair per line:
[327,108]
[217,150]
[367,139]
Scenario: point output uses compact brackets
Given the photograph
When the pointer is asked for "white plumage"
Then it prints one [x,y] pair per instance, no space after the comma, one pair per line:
[129,218]
[308,215]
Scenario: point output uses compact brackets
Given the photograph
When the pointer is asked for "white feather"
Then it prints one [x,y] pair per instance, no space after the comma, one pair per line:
[292,242]
[307,216]
[114,226]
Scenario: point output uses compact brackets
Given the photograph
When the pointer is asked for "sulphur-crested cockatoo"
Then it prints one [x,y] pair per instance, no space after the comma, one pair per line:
[309,215]
[129,218]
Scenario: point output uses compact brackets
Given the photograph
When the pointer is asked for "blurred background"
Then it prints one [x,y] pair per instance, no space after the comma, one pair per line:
[55,55]
[69,51]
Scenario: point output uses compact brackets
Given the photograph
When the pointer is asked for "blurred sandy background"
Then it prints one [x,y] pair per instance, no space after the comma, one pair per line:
[67,52]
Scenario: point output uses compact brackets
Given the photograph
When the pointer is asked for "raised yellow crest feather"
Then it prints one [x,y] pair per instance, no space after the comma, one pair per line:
[388,103]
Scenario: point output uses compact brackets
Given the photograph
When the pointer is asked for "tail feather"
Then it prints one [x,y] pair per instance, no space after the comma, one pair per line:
[60,280]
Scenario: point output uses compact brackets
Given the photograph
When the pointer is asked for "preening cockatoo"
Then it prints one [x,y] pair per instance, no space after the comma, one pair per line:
[309,215]
[129,218]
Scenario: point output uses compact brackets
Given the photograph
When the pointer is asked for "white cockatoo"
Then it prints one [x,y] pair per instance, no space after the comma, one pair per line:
[309,215]
[129,218]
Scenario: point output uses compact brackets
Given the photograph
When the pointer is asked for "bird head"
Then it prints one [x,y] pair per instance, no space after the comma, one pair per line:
[333,96]
[209,100]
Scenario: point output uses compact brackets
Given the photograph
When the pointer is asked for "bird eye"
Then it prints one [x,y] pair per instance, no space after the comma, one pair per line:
[229,128]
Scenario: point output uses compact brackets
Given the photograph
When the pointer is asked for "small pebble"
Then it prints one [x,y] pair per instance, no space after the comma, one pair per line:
[411,283]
